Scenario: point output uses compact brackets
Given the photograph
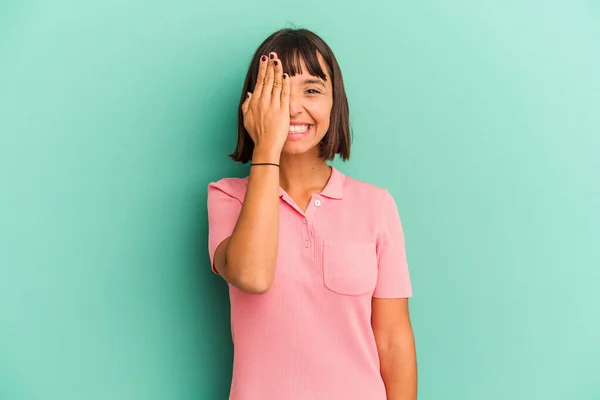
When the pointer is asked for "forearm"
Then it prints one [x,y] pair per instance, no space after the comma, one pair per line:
[252,249]
[399,370]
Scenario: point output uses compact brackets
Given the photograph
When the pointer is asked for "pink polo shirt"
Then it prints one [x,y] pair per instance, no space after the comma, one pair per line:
[310,336]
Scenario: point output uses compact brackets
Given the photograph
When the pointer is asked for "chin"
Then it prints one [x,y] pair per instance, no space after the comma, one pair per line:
[291,148]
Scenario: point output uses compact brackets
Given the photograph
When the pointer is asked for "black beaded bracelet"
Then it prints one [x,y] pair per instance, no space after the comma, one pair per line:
[264,163]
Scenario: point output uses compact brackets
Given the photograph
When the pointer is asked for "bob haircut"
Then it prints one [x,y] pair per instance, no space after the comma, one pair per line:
[292,46]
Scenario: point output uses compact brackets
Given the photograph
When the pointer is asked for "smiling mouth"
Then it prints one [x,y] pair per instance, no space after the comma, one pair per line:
[298,129]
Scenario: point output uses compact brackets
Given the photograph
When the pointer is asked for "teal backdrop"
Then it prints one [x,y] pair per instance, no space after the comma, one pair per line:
[481,118]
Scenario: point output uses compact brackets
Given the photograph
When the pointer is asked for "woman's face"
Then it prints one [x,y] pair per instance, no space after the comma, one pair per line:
[311,100]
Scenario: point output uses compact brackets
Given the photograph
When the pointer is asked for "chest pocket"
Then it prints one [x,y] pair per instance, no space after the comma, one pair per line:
[350,268]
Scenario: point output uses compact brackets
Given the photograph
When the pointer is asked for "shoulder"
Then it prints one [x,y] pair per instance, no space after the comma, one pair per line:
[374,201]
[365,192]
[234,187]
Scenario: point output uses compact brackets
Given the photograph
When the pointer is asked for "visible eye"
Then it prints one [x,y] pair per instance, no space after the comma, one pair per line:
[313,90]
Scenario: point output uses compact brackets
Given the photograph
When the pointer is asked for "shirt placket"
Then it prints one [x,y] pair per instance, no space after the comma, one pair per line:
[308,237]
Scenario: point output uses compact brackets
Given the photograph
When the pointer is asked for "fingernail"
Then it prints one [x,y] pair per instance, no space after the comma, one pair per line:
[272,56]
[247,94]
[284,76]
[276,63]
[264,58]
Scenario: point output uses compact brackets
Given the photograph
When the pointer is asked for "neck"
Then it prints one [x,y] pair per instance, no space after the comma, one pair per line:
[303,174]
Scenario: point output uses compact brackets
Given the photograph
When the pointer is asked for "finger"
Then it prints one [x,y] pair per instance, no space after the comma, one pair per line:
[285,92]
[246,103]
[268,86]
[262,70]
[277,82]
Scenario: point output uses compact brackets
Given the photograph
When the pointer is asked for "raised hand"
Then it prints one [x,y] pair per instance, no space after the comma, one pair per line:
[266,110]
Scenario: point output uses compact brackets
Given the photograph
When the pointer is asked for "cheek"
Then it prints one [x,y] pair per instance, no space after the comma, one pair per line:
[321,112]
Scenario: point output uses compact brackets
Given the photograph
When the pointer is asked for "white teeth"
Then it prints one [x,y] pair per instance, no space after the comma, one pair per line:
[298,128]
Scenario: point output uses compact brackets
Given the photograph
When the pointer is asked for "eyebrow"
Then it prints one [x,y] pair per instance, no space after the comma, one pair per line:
[315,81]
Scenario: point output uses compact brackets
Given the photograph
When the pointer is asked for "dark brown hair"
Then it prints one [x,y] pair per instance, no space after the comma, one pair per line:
[292,46]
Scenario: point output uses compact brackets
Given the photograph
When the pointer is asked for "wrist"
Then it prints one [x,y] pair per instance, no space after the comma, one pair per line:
[263,155]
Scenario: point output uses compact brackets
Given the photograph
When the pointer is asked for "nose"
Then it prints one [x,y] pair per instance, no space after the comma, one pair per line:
[296,107]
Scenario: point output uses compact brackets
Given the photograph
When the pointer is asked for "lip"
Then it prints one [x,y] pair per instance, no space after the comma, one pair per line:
[300,135]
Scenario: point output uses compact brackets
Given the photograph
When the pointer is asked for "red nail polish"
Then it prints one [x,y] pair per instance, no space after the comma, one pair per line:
[284,76]
[272,56]
[263,58]
[276,63]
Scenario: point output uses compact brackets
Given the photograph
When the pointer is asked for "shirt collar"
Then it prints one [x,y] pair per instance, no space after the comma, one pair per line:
[333,189]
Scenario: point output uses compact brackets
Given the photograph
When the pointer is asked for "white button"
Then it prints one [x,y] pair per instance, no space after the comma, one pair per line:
[304,220]
[307,244]
[317,203]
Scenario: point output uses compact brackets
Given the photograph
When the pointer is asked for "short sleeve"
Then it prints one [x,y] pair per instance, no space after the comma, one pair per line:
[393,277]
[223,212]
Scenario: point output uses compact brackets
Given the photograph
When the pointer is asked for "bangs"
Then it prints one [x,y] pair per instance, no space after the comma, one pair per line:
[292,50]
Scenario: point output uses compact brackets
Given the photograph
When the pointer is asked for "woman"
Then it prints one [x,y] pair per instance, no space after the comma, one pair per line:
[315,260]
